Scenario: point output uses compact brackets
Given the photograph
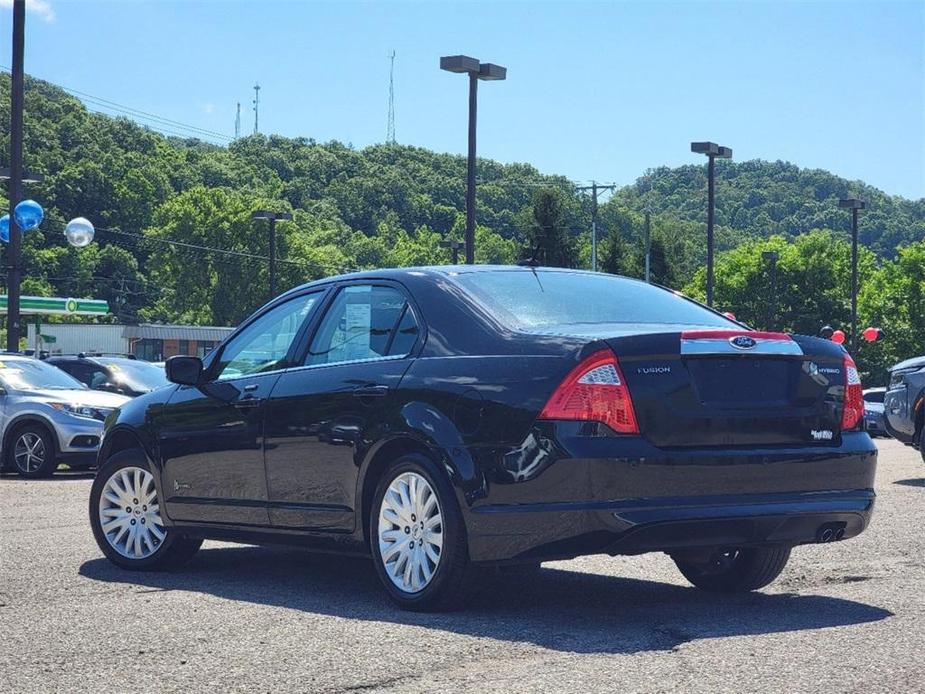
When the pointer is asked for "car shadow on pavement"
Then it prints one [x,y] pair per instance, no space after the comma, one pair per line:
[914,482]
[556,609]
[60,476]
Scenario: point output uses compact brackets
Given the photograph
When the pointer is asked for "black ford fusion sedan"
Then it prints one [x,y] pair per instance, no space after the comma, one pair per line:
[445,419]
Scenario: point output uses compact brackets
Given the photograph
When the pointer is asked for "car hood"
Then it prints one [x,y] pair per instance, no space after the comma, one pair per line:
[914,362]
[79,396]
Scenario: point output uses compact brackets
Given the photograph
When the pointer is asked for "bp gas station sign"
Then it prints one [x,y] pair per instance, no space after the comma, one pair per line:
[38,306]
[57,306]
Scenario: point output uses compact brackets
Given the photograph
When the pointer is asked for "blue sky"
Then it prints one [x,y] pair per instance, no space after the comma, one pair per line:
[595,90]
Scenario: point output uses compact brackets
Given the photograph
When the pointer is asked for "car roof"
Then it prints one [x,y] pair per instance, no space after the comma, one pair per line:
[101,359]
[399,274]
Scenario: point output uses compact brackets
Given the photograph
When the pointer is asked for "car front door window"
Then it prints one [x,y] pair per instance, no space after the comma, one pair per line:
[263,345]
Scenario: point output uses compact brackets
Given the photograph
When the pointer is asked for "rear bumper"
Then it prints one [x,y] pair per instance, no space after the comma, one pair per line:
[727,498]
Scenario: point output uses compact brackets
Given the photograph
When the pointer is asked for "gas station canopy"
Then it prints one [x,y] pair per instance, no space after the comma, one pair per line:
[57,306]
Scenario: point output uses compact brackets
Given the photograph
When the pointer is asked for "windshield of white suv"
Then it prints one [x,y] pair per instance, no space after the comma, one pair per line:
[32,374]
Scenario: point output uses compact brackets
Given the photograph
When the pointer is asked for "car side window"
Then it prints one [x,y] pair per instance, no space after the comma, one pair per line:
[405,335]
[263,345]
[359,326]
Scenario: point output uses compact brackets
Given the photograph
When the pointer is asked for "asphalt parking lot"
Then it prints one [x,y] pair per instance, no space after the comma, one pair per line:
[843,617]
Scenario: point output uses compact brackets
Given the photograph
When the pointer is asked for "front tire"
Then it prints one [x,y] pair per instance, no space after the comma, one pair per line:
[126,521]
[418,537]
[32,451]
[736,570]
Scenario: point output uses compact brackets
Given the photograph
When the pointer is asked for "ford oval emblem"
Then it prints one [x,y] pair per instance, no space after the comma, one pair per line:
[743,342]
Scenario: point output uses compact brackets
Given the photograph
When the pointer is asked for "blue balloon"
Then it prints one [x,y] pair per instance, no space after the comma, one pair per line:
[29,214]
[5,228]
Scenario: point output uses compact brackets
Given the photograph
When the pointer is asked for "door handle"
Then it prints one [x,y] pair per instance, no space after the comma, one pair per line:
[251,387]
[371,391]
[248,402]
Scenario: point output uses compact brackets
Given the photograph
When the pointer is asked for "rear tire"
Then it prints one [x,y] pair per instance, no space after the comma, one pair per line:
[32,451]
[736,570]
[130,509]
[417,536]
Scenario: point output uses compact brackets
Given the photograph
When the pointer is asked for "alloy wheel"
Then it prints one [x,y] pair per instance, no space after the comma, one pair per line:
[29,452]
[130,515]
[410,532]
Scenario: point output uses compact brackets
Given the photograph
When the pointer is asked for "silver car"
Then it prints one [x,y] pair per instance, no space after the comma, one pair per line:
[48,417]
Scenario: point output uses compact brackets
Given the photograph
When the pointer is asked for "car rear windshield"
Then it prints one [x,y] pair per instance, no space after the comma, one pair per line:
[527,299]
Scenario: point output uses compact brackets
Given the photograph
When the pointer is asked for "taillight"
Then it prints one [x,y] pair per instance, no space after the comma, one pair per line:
[853,412]
[594,391]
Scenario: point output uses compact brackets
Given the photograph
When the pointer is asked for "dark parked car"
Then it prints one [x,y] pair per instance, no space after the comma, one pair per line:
[873,411]
[114,374]
[442,419]
[902,404]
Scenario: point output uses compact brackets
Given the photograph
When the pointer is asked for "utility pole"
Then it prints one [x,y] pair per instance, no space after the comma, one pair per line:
[648,242]
[390,129]
[237,123]
[594,188]
[256,107]
[272,217]
[14,269]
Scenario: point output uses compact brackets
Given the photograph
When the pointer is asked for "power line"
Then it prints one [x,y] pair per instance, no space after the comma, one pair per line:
[157,122]
[223,251]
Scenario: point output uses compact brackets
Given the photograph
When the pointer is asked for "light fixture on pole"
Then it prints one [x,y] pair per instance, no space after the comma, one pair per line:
[854,204]
[454,245]
[476,71]
[713,151]
[272,217]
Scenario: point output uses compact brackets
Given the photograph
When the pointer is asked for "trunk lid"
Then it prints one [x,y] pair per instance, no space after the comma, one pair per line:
[733,387]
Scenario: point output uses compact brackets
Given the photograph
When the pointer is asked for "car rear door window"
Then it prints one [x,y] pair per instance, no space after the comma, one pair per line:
[360,325]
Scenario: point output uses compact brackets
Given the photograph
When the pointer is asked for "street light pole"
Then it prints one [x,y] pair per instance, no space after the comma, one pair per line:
[13,327]
[771,257]
[712,150]
[854,204]
[476,71]
[272,217]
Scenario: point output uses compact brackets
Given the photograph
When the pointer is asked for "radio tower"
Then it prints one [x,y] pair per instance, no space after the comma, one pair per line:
[390,131]
[237,123]
[256,106]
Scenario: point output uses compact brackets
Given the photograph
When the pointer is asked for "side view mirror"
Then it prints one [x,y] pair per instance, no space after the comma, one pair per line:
[187,371]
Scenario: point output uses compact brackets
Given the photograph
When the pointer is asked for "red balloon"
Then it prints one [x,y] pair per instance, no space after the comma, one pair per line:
[838,336]
[871,334]
[730,315]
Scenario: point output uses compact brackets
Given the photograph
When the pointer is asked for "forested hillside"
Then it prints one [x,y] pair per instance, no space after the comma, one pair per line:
[163,204]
